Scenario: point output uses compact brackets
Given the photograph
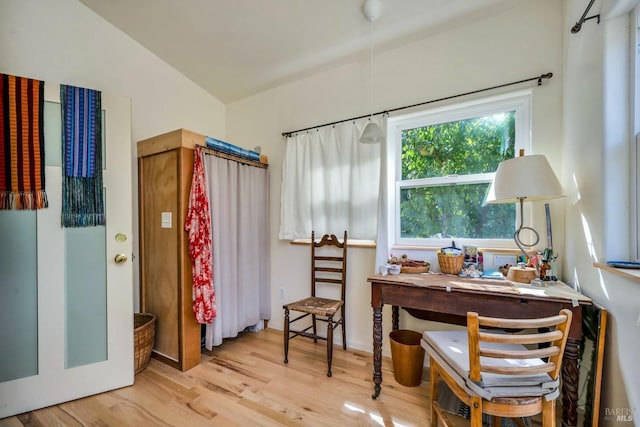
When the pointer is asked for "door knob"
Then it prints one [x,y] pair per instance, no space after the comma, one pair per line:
[120,259]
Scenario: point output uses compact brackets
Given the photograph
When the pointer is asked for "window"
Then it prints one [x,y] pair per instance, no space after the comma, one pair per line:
[442,164]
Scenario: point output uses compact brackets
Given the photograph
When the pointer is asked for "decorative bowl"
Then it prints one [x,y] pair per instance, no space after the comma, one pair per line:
[393,268]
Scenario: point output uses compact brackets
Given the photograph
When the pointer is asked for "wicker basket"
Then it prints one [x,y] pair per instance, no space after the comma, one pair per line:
[450,264]
[414,270]
[143,339]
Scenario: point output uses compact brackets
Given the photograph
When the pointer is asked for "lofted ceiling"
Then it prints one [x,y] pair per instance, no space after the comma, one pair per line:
[236,48]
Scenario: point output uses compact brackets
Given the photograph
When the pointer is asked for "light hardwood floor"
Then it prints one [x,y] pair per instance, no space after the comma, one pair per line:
[244,382]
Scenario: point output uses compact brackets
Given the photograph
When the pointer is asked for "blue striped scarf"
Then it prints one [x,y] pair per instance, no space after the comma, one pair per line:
[82,190]
[80,121]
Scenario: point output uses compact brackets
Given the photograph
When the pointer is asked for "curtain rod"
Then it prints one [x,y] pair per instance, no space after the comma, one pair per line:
[576,28]
[538,78]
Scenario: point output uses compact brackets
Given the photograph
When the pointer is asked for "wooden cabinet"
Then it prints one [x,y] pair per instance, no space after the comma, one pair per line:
[165,167]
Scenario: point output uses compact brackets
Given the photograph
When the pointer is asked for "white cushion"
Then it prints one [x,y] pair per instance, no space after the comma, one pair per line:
[451,350]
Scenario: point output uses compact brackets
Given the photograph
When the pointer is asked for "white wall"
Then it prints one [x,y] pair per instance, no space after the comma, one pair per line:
[596,178]
[522,39]
[63,41]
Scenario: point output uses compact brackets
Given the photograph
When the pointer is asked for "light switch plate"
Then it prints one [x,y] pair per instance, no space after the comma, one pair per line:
[165,220]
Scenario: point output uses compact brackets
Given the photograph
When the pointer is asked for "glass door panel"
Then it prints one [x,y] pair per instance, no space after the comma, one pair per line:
[85,296]
[19,290]
[52,134]
[19,267]
[85,267]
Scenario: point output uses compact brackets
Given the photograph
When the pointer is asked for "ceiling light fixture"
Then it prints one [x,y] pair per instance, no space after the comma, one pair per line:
[372,134]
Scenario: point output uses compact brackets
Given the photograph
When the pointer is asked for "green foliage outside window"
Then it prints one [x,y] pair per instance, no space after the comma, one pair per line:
[470,146]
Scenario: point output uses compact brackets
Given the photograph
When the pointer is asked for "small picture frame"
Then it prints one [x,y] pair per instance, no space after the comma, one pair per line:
[473,257]
[470,254]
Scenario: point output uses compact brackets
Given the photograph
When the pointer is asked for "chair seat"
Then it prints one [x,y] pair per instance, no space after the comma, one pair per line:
[315,305]
[451,350]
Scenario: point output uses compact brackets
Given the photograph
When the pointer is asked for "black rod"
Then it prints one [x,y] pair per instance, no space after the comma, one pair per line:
[213,152]
[538,78]
[584,18]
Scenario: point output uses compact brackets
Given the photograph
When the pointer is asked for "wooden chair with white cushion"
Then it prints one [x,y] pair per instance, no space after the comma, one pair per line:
[499,373]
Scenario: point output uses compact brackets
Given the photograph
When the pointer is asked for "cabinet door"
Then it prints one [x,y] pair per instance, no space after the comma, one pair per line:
[66,311]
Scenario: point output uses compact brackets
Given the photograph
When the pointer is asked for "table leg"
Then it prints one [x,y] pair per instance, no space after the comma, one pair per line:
[395,317]
[377,351]
[570,380]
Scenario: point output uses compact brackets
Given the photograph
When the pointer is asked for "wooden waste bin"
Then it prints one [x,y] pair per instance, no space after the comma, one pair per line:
[407,357]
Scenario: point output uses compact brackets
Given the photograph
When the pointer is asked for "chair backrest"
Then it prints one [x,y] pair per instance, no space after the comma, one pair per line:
[547,344]
[325,268]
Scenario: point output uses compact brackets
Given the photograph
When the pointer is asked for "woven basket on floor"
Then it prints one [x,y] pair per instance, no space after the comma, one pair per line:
[143,339]
[450,264]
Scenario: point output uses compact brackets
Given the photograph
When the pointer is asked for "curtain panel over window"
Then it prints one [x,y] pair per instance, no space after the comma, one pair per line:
[330,182]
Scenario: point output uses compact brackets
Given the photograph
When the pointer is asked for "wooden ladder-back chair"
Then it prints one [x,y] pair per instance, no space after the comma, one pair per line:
[326,269]
[495,372]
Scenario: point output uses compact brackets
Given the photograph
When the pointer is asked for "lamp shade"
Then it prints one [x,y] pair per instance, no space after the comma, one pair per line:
[524,177]
[372,134]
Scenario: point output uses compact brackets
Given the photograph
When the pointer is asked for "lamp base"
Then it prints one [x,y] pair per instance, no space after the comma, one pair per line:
[521,275]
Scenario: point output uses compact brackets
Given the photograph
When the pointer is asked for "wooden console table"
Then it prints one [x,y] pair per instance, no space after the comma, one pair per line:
[447,298]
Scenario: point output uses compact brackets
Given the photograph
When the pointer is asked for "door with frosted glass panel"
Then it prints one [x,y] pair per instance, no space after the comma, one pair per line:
[66,322]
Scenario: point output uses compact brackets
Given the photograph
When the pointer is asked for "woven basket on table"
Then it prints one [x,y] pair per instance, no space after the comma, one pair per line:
[450,264]
[144,334]
[413,270]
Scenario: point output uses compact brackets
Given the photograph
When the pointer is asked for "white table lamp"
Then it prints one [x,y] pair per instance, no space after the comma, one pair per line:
[523,178]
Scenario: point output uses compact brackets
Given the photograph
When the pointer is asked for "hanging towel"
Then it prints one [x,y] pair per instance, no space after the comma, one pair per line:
[198,226]
[82,190]
[21,144]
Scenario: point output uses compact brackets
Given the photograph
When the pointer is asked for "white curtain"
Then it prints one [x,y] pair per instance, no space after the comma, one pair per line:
[385,205]
[330,182]
[238,196]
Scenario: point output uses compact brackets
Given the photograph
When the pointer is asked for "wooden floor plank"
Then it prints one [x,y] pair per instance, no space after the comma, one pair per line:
[53,415]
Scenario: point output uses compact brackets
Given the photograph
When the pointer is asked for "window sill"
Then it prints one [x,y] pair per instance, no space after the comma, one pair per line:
[514,251]
[350,243]
[627,273]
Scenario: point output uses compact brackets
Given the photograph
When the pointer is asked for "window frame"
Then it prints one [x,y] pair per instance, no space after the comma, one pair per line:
[519,101]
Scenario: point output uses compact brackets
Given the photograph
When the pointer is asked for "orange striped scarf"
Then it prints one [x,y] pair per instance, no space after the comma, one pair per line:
[21,143]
